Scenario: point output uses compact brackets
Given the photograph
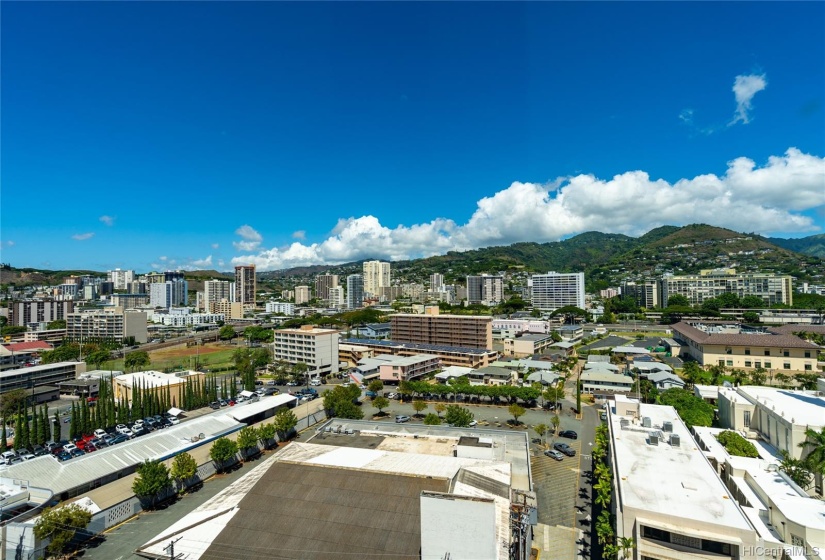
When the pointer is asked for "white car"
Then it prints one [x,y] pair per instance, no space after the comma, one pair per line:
[100,433]
[174,420]
[125,431]
[315,382]
[69,447]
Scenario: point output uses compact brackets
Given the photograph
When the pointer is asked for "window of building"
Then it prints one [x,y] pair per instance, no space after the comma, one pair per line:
[747,351]
[748,363]
[729,363]
[767,365]
[808,367]
[728,351]
[767,352]
[797,541]
[757,364]
[786,365]
[807,353]
[746,417]
[786,353]
[721,362]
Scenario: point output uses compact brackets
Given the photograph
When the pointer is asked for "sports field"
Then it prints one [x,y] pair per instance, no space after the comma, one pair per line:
[212,356]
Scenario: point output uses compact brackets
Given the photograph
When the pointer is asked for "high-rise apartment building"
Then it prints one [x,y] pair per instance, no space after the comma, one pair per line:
[772,288]
[355,291]
[646,294]
[216,290]
[554,290]
[229,309]
[106,324]
[436,282]
[121,278]
[245,287]
[160,294]
[302,294]
[376,276]
[335,297]
[22,313]
[485,289]
[323,283]
[465,331]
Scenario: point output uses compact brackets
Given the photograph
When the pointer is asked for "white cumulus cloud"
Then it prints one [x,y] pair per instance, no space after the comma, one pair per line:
[747,197]
[744,88]
[108,220]
[300,234]
[83,236]
[251,239]
[199,263]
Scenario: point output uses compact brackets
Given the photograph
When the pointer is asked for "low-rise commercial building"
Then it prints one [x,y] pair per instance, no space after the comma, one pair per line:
[767,350]
[599,381]
[396,369]
[173,384]
[449,355]
[527,344]
[667,496]
[35,376]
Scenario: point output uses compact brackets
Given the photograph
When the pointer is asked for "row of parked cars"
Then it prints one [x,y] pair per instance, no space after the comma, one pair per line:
[64,450]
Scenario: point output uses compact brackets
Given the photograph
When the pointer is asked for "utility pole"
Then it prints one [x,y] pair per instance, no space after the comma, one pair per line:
[171,549]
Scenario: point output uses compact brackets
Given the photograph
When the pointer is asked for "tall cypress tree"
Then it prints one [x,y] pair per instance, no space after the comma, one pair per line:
[35,427]
[47,428]
[3,436]
[73,423]
[57,433]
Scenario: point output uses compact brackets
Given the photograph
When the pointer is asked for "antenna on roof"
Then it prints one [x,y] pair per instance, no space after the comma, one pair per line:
[171,549]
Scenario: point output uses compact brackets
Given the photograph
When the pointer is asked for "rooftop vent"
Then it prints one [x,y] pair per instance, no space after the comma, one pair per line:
[646,422]
[674,440]
[653,439]
[624,423]
[667,426]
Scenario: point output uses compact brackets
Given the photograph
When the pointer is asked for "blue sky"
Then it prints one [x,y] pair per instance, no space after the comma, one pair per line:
[201,135]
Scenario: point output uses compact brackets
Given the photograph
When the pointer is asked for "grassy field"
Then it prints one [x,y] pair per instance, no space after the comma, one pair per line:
[212,356]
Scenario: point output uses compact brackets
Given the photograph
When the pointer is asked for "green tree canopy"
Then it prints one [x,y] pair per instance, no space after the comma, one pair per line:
[138,359]
[458,416]
[227,332]
[59,524]
[248,441]
[432,419]
[284,422]
[56,324]
[678,300]
[267,434]
[376,386]
[796,469]
[691,409]
[419,406]
[517,411]
[184,467]
[152,479]
[222,451]
[380,403]
[736,445]
[339,403]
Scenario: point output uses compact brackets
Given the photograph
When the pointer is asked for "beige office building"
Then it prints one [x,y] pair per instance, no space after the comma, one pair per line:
[771,351]
[230,309]
[316,347]
[302,294]
[772,288]
[157,382]
[376,276]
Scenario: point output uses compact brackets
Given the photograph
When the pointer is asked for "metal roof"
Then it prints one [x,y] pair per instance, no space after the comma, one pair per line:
[48,472]
[322,511]
[250,409]
[416,346]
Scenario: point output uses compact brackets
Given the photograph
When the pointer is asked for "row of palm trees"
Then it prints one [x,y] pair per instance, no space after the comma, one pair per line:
[603,475]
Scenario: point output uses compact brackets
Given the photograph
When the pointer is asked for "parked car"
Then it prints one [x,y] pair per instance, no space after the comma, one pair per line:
[120,438]
[174,420]
[535,440]
[564,448]
[569,434]
[291,384]
[100,433]
[473,423]
[69,447]
[77,453]
[315,382]
[39,451]
[553,454]
[223,402]
[63,456]
[401,418]
[28,456]
[125,431]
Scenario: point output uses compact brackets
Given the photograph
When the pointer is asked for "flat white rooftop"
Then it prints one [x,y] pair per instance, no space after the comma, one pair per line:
[802,407]
[672,481]
[153,378]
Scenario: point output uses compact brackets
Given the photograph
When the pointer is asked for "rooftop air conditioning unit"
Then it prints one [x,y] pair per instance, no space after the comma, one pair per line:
[667,426]
[653,439]
[646,422]
[624,423]
[674,440]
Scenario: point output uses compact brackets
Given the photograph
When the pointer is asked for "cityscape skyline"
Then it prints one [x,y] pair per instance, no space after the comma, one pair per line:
[206,136]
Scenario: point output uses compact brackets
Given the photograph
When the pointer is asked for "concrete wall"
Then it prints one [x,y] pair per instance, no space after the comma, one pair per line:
[443,515]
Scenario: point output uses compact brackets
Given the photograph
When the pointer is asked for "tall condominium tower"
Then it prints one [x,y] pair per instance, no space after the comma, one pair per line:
[436,282]
[376,276]
[553,290]
[245,287]
[486,289]
[323,283]
[355,291]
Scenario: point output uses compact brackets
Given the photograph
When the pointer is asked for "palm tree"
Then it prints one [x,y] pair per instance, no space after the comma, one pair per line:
[739,376]
[604,527]
[815,444]
[626,544]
